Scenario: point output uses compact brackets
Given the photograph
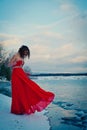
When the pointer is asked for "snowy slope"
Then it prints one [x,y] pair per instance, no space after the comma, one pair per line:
[8,121]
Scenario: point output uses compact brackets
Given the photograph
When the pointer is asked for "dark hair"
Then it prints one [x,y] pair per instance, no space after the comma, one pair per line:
[22,50]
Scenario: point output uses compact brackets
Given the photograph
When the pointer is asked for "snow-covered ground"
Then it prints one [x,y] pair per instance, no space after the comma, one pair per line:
[9,121]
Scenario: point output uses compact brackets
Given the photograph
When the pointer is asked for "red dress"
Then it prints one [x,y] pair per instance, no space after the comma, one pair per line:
[27,96]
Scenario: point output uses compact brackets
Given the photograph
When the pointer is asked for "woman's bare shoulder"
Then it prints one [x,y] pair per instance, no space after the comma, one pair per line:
[14,56]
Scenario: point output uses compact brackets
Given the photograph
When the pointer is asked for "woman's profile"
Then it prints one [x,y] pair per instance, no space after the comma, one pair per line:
[27,96]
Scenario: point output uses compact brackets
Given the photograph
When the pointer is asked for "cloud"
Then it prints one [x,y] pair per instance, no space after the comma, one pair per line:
[40,52]
[65,8]
[44,49]
[53,35]
[79,26]
[63,51]
[53,43]
[79,59]
[10,41]
[68,7]
[64,13]
[45,53]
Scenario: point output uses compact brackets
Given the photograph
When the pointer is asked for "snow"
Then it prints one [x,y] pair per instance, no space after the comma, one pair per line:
[9,121]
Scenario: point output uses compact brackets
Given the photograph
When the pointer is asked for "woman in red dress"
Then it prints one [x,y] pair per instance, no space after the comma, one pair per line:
[27,96]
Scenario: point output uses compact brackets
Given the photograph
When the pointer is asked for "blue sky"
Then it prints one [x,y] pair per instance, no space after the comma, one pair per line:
[54,30]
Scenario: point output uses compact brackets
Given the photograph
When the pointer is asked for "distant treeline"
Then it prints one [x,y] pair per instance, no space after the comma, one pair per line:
[59,74]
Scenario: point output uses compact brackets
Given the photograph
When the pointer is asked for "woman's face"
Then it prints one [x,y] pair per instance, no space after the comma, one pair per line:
[25,53]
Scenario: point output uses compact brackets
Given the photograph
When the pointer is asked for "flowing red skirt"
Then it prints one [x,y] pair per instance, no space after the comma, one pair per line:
[27,96]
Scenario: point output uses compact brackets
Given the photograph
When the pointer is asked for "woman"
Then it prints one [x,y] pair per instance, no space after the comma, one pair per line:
[27,96]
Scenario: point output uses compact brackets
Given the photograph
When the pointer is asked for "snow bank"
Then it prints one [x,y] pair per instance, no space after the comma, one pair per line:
[8,121]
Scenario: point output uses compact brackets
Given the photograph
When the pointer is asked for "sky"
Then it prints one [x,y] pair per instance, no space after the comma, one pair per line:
[54,30]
